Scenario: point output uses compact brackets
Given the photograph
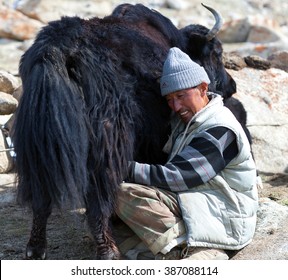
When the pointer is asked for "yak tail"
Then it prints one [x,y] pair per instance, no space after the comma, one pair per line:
[50,134]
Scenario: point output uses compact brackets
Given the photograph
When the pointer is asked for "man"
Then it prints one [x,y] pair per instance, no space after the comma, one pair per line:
[204,199]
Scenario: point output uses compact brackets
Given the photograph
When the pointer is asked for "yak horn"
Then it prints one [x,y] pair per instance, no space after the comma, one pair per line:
[218,24]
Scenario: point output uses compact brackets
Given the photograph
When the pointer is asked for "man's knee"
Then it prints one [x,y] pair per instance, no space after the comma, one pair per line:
[126,190]
[126,194]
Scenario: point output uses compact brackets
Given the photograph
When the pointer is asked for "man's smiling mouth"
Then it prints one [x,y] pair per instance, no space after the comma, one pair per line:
[183,113]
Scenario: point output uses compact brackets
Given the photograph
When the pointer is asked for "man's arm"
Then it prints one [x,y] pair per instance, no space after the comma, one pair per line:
[206,155]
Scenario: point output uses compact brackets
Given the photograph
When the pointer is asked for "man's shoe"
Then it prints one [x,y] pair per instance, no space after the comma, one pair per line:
[174,254]
[201,253]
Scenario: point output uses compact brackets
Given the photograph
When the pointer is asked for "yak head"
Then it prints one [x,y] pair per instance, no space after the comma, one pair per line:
[202,45]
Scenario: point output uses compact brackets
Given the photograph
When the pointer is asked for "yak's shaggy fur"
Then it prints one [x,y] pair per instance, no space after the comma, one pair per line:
[91,102]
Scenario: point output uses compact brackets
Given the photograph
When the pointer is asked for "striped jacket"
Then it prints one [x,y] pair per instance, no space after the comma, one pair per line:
[205,156]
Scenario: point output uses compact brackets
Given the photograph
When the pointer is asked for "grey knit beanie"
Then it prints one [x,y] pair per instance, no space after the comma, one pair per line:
[181,72]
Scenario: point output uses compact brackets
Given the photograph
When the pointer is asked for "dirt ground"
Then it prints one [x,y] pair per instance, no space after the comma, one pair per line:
[68,236]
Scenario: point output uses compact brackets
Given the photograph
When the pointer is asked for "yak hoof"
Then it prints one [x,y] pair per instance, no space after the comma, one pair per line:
[109,254]
[35,253]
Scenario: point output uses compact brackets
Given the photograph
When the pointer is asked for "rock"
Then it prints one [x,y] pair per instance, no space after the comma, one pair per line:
[270,214]
[8,104]
[235,31]
[176,5]
[17,93]
[279,60]
[262,34]
[233,61]
[263,94]
[9,120]
[271,237]
[8,82]
[257,62]
[253,35]
[253,29]
[15,25]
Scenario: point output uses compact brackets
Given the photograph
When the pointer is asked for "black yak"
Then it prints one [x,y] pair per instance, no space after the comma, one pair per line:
[91,103]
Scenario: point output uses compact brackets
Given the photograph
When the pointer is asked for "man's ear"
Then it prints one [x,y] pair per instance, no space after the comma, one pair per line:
[203,88]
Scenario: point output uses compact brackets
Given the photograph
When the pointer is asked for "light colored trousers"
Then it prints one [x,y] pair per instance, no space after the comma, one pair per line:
[153,214]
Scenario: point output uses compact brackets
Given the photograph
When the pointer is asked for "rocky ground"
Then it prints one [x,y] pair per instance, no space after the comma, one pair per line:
[68,236]
[263,93]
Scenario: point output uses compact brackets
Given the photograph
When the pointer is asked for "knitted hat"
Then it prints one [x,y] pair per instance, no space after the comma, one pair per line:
[181,72]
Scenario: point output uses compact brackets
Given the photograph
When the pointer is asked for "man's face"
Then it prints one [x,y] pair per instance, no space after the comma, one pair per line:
[187,102]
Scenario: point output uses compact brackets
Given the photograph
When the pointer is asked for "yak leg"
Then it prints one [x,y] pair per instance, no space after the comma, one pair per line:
[99,225]
[37,245]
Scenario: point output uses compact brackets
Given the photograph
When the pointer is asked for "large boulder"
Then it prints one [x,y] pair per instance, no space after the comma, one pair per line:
[264,96]
[15,25]
[253,35]
[8,82]
[271,237]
